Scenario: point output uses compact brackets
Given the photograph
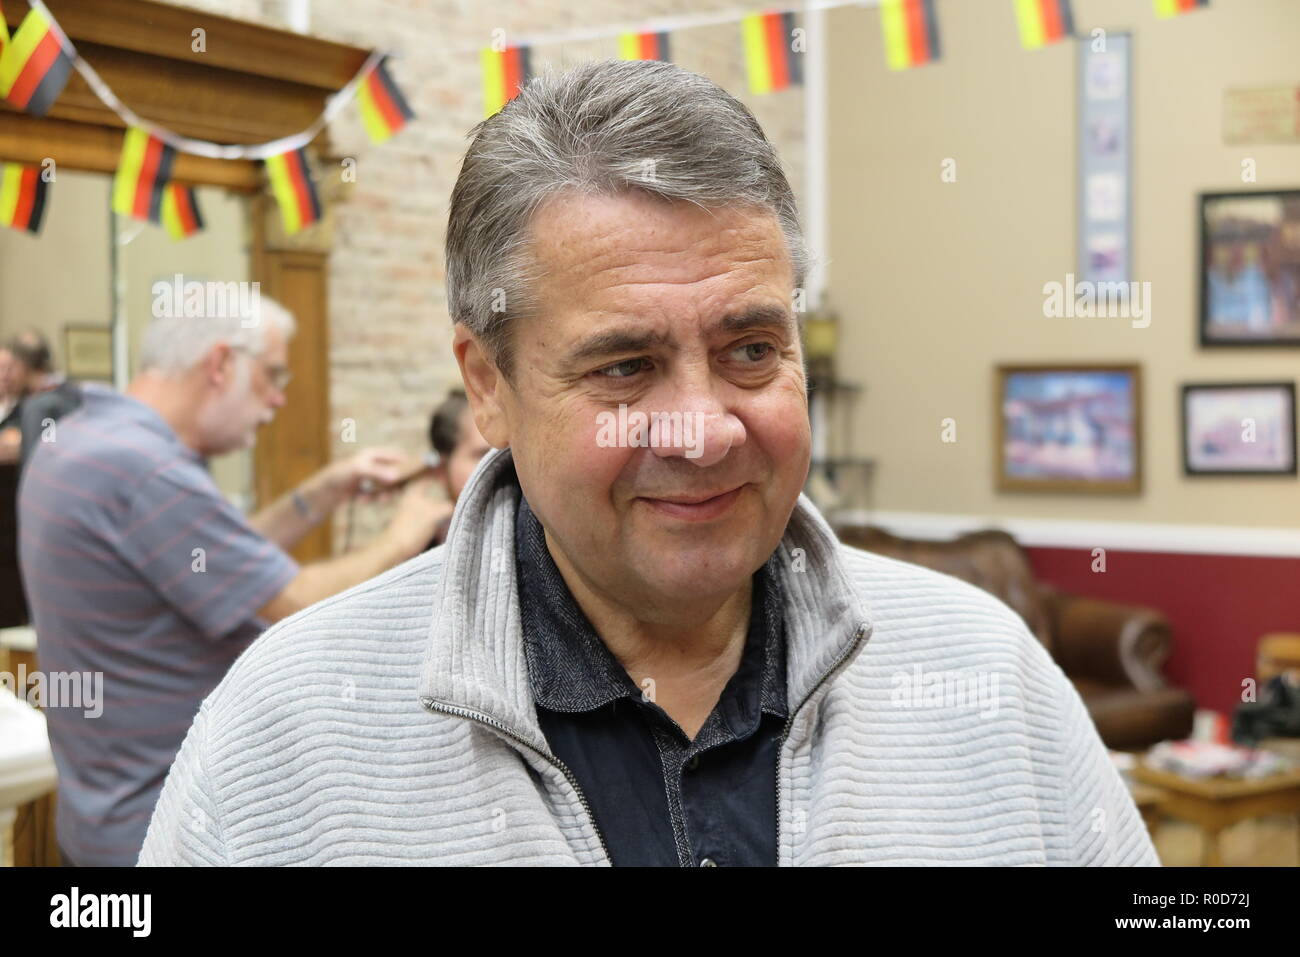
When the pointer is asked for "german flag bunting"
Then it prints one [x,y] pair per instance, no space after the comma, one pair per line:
[770,62]
[384,110]
[1172,8]
[180,211]
[22,197]
[35,64]
[4,33]
[643,46]
[1043,21]
[294,190]
[504,72]
[911,32]
[142,172]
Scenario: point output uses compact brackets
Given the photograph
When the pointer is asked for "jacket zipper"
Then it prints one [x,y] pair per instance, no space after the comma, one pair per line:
[495,725]
[789,723]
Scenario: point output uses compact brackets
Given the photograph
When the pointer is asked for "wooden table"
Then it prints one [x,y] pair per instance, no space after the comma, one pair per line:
[1213,804]
[1149,801]
[34,841]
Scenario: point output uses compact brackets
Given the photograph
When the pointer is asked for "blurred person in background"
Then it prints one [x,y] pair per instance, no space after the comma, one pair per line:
[458,447]
[43,394]
[9,395]
[137,567]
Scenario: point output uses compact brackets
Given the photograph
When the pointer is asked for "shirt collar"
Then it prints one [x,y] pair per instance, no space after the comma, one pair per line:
[475,660]
[571,669]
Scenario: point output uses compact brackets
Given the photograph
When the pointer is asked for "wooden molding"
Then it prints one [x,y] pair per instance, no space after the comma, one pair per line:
[163,30]
[97,149]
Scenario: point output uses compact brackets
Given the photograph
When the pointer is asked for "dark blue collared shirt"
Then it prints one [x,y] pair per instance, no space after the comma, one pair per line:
[658,797]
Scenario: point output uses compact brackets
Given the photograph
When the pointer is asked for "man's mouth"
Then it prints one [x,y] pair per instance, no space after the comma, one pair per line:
[696,507]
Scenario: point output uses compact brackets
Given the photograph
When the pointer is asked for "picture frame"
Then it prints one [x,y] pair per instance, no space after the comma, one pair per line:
[88,352]
[1069,427]
[1249,268]
[1238,428]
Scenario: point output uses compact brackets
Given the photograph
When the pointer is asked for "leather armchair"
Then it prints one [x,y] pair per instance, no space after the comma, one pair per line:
[1111,652]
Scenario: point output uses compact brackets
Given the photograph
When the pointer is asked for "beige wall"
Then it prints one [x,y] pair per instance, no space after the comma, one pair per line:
[938,282]
[60,276]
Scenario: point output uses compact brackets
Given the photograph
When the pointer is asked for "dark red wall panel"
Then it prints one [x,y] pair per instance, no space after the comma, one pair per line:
[1217,605]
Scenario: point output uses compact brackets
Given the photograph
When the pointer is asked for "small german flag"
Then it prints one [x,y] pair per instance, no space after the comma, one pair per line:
[294,190]
[180,211]
[1172,8]
[142,172]
[1043,22]
[35,64]
[22,197]
[911,32]
[504,72]
[384,110]
[643,46]
[769,60]
[4,33]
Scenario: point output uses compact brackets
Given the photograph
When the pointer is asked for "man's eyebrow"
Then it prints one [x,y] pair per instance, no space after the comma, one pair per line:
[616,341]
[756,317]
[621,341]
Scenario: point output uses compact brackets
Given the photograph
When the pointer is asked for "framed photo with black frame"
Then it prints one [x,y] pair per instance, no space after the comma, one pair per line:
[1239,428]
[1250,268]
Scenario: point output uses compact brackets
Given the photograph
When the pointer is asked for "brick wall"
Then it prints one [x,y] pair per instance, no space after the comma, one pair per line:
[390,359]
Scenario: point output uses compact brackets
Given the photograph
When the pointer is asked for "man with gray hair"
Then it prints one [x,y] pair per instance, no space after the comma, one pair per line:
[627,653]
[138,569]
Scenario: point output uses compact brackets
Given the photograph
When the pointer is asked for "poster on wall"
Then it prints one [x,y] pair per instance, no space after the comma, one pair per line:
[1104,141]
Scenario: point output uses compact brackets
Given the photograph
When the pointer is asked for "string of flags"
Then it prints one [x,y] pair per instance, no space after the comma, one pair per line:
[22,197]
[35,65]
[1172,8]
[1043,21]
[38,59]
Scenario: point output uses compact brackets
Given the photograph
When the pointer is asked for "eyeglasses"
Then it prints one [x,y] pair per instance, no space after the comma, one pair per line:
[279,376]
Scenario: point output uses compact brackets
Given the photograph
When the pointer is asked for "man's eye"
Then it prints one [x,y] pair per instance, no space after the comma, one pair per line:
[622,370]
[753,351]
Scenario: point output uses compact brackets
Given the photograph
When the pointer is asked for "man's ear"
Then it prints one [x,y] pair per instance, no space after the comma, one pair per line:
[485,387]
[219,366]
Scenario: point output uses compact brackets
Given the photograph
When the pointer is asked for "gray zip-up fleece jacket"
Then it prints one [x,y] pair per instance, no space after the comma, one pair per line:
[393,724]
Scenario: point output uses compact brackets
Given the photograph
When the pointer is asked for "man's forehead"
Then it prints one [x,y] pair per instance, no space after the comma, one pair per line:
[635,237]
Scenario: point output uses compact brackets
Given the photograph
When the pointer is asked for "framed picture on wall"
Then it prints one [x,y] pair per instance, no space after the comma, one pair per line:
[1069,428]
[1239,428]
[89,352]
[1250,268]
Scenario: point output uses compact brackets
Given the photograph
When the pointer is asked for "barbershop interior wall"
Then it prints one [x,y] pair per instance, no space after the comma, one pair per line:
[59,277]
[937,283]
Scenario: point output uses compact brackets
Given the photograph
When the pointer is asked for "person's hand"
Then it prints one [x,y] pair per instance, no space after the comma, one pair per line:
[370,472]
[418,515]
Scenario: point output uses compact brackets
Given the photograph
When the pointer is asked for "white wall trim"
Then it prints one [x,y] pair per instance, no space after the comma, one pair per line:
[1070,533]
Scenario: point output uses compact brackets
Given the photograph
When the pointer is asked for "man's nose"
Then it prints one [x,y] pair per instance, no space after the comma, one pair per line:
[700,430]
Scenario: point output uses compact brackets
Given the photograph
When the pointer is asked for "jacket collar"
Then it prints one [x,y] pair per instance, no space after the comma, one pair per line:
[476,662]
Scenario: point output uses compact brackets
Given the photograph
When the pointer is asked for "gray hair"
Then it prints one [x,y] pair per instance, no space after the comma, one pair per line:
[173,344]
[603,128]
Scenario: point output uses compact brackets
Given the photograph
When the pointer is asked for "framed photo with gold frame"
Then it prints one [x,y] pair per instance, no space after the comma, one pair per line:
[1069,428]
[88,352]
